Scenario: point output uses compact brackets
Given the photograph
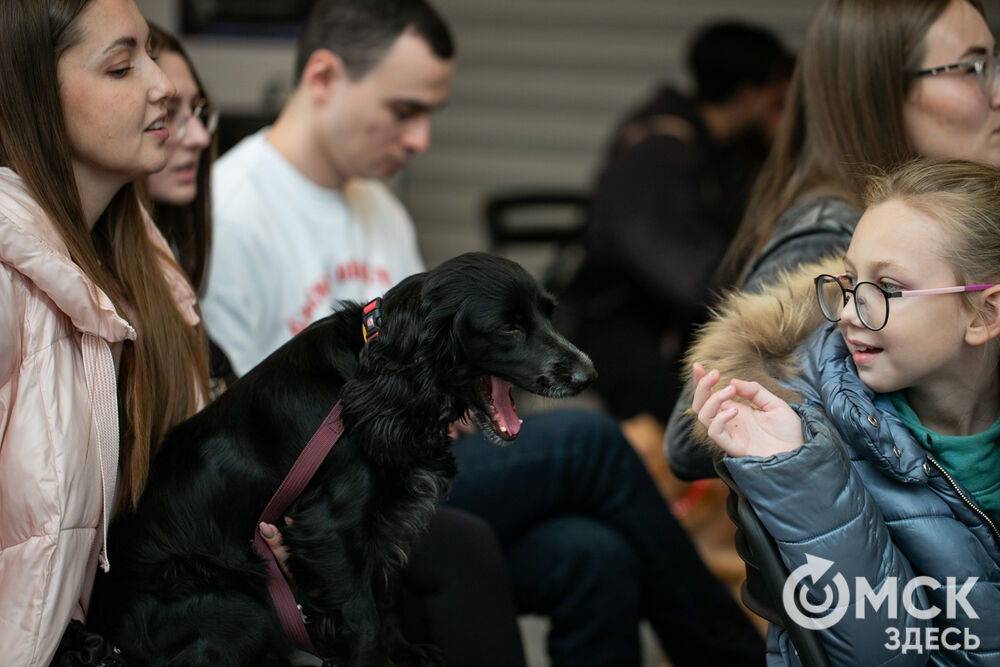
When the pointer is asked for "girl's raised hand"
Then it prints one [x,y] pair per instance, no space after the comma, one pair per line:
[767,426]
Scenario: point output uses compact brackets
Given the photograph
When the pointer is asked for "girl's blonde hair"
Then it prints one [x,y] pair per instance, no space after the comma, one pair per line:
[964,197]
[164,372]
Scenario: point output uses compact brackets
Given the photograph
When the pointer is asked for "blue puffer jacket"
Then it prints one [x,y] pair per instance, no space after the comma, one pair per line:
[861,493]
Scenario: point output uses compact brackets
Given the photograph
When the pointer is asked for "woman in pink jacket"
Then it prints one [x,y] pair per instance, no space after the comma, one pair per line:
[99,354]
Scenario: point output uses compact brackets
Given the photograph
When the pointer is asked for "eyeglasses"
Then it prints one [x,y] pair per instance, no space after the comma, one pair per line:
[870,301]
[202,111]
[986,69]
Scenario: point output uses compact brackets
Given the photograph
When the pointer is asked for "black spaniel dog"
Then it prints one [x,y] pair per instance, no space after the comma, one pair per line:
[186,587]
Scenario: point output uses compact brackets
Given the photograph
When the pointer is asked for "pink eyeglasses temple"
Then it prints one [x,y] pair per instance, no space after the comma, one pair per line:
[942,290]
[932,290]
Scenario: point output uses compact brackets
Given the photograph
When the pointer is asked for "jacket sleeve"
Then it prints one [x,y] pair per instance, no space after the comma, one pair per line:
[43,544]
[687,459]
[17,638]
[814,504]
[797,250]
[825,228]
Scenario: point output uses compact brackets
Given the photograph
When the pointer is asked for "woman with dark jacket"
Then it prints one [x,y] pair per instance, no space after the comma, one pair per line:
[895,94]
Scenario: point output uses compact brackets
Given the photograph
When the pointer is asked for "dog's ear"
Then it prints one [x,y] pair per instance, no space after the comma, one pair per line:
[453,330]
[395,388]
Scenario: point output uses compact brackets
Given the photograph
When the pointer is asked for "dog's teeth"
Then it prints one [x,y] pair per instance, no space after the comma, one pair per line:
[503,429]
[520,421]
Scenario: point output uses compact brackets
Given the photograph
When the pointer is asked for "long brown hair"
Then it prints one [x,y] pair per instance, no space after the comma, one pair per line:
[844,112]
[187,229]
[163,373]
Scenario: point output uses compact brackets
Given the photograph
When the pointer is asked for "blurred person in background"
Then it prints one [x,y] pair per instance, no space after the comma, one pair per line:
[666,203]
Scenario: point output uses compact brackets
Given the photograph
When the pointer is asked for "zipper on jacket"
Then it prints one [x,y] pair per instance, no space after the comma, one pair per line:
[972,505]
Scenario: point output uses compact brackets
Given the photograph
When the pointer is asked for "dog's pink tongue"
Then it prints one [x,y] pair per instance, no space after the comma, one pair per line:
[507,418]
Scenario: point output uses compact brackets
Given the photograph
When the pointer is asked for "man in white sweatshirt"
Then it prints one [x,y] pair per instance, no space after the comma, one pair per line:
[302,219]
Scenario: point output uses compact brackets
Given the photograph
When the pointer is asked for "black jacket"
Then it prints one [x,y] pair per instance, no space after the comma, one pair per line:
[665,206]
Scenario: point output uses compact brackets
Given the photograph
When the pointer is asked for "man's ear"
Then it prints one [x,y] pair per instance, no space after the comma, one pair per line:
[323,72]
[986,324]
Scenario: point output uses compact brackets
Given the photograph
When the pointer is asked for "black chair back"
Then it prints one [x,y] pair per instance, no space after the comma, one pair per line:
[551,219]
[762,590]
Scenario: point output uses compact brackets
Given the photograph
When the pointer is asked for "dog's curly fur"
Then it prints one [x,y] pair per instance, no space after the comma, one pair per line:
[186,588]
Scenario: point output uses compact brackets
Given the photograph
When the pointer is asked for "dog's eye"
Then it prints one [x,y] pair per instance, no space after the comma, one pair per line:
[511,330]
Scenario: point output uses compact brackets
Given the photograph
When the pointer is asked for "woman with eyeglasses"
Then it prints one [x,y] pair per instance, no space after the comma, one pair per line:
[100,349]
[869,447]
[879,83]
[180,195]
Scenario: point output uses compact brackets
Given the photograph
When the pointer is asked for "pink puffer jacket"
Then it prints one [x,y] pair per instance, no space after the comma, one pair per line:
[58,424]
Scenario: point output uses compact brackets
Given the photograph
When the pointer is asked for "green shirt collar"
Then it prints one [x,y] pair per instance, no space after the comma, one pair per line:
[973,460]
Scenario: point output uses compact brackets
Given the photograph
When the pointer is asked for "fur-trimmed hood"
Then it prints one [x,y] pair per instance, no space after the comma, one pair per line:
[755,336]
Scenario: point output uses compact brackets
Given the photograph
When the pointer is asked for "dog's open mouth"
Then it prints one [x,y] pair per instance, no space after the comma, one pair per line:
[498,404]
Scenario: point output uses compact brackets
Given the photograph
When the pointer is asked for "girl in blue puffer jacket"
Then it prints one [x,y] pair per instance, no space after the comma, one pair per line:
[870,447]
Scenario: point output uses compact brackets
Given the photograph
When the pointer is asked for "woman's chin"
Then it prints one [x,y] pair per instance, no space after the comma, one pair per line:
[174,194]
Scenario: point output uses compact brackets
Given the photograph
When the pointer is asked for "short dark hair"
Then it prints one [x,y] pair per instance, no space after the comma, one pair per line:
[727,55]
[360,32]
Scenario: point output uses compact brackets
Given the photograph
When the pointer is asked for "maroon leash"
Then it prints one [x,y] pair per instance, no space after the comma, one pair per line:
[305,466]
[319,445]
